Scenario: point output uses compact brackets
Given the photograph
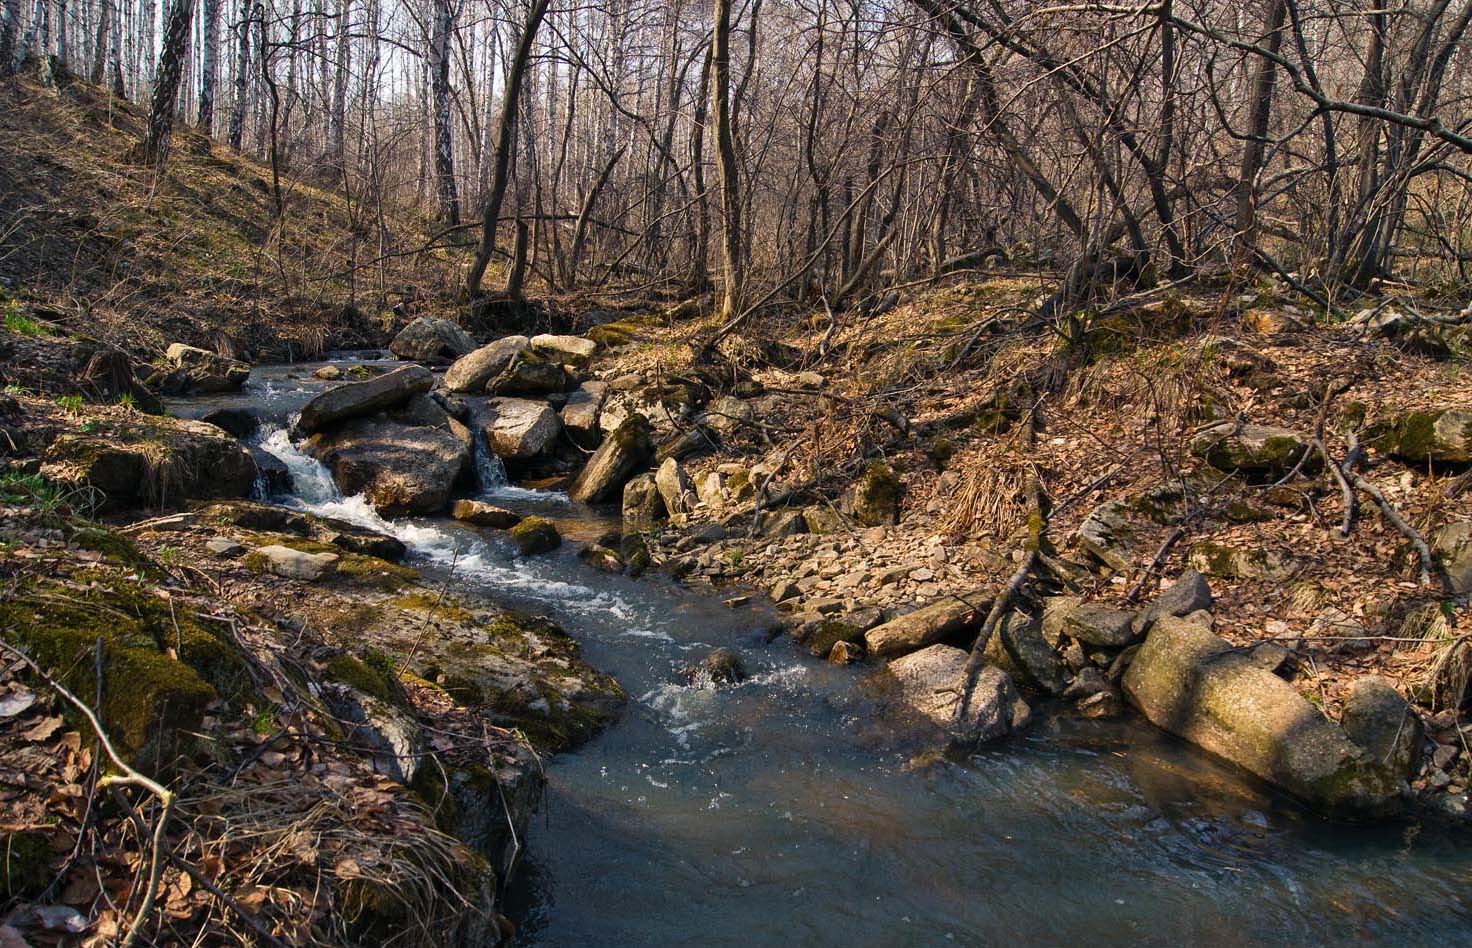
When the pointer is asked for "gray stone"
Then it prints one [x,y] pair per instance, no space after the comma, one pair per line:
[675,487]
[783,590]
[393,739]
[1453,544]
[783,523]
[471,372]
[626,452]
[294,564]
[932,682]
[580,414]
[928,624]
[574,350]
[721,667]
[1384,724]
[1195,685]
[482,514]
[224,547]
[1259,450]
[431,340]
[527,375]
[1189,593]
[1108,535]
[1018,648]
[196,371]
[1095,623]
[517,428]
[400,469]
[727,413]
[1442,436]
[362,398]
[643,507]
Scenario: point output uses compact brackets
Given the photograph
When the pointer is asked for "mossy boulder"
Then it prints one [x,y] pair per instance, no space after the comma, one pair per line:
[643,505]
[149,699]
[151,462]
[1259,451]
[535,535]
[1419,437]
[1233,562]
[874,499]
[1188,681]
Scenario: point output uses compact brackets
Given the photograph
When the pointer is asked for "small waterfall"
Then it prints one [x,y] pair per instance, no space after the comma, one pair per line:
[490,470]
[311,482]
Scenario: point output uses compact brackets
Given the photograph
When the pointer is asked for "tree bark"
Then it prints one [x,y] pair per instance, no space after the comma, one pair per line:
[720,65]
[209,66]
[447,194]
[166,87]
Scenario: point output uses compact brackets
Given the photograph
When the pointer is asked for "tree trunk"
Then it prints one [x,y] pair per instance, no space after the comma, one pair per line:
[209,66]
[242,75]
[439,76]
[10,38]
[166,87]
[337,125]
[505,143]
[1259,112]
[720,65]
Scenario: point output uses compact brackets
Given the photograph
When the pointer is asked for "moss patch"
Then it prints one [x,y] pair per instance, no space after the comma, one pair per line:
[434,605]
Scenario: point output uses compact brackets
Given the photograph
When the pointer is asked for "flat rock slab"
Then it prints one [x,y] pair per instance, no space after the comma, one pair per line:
[470,373]
[294,564]
[361,398]
[928,624]
[574,350]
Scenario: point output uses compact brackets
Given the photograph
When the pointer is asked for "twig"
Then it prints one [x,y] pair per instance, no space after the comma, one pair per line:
[1428,562]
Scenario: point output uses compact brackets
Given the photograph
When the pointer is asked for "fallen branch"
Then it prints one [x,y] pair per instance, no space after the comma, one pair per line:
[1428,562]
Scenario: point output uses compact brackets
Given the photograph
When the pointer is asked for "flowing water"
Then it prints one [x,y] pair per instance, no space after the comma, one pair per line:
[781,812]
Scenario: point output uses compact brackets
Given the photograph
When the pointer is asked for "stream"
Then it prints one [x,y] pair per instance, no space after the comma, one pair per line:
[782,811]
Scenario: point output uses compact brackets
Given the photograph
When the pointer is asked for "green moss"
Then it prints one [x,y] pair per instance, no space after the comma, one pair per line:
[25,864]
[371,679]
[536,534]
[942,450]
[877,495]
[435,605]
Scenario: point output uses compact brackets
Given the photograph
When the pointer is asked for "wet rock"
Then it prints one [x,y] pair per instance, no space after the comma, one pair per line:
[192,371]
[294,564]
[240,422]
[1419,437]
[928,624]
[534,535]
[573,350]
[580,414]
[643,506]
[273,477]
[402,470]
[158,462]
[846,653]
[431,340]
[1453,545]
[1189,593]
[482,514]
[626,452]
[517,428]
[820,635]
[602,558]
[1108,535]
[1258,450]
[328,373]
[932,681]
[360,540]
[1018,648]
[721,667]
[363,398]
[874,499]
[527,375]
[674,487]
[1384,724]
[470,373]
[1195,685]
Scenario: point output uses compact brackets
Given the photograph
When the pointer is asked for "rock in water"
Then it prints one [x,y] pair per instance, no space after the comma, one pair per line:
[1018,648]
[240,422]
[574,350]
[721,667]
[362,398]
[1188,681]
[1383,723]
[928,624]
[294,564]
[535,535]
[1259,450]
[195,371]
[431,340]
[643,506]
[485,515]
[471,372]
[518,428]
[931,681]
[402,470]
[626,452]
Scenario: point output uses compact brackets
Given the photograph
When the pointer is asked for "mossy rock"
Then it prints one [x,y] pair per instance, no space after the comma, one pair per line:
[371,677]
[435,606]
[1261,452]
[534,535]
[820,639]
[1426,436]
[149,699]
[874,499]
[1230,562]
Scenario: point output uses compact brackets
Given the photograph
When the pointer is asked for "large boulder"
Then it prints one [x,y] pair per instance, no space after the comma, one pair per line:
[626,452]
[1383,724]
[580,414]
[362,398]
[472,371]
[431,340]
[643,506]
[518,428]
[535,535]
[528,375]
[1017,647]
[1258,450]
[192,371]
[1440,436]
[1453,544]
[1188,681]
[928,624]
[573,350]
[874,499]
[933,680]
[152,462]
[401,469]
